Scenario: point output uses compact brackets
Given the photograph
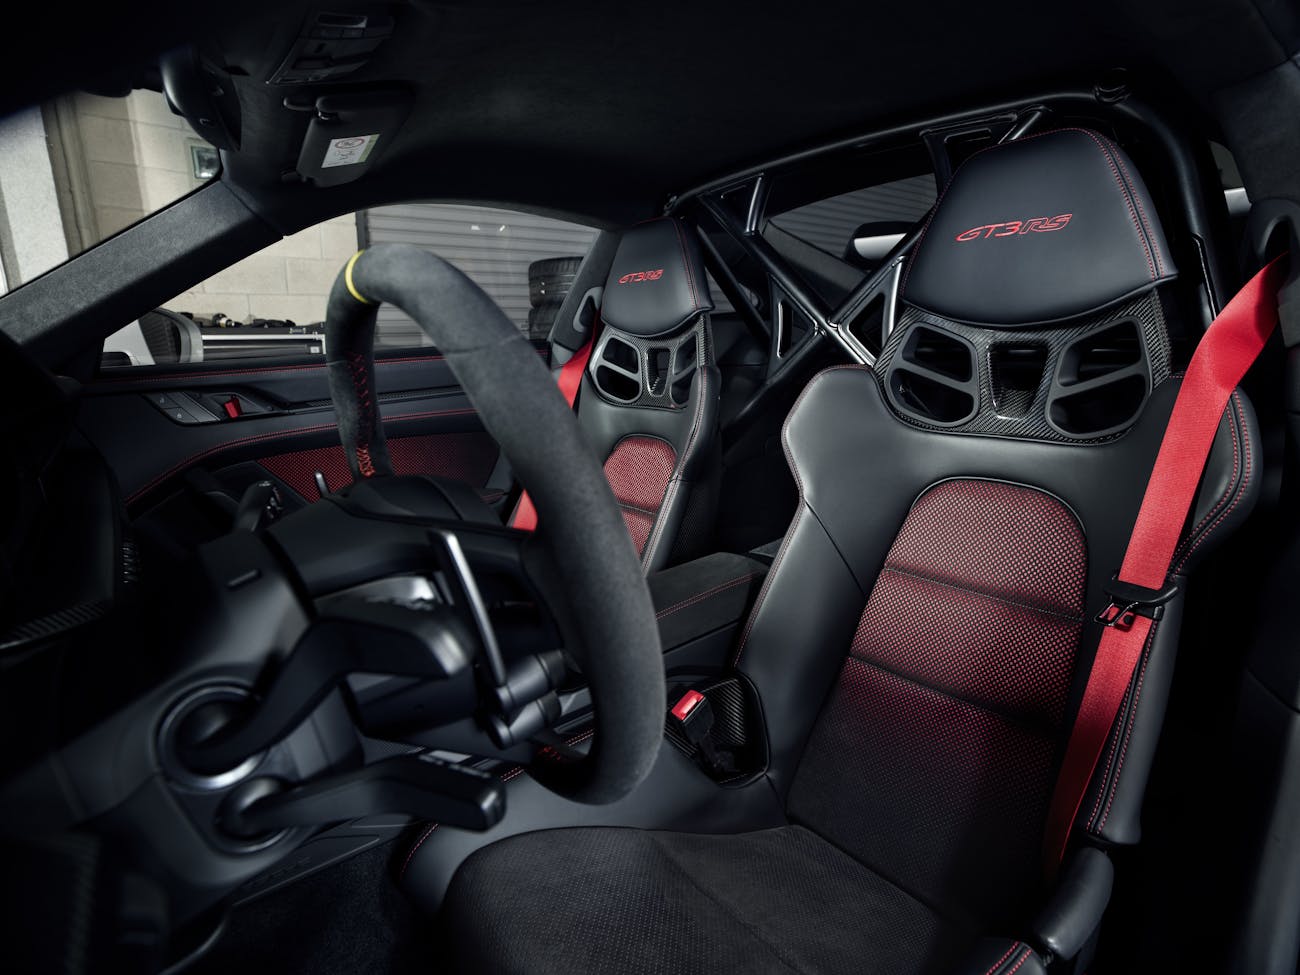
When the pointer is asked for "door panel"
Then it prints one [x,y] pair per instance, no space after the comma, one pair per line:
[468,457]
[287,425]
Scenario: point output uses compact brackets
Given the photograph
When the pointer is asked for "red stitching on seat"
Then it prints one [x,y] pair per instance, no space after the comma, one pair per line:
[1101,783]
[1128,730]
[674,481]
[1023,958]
[1113,751]
[1245,481]
[794,524]
[686,262]
[1227,491]
[982,594]
[1137,226]
[1007,954]
[1146,223]
[415,849]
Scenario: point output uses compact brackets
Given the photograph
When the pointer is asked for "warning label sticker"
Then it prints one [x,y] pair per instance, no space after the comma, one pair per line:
[349,151]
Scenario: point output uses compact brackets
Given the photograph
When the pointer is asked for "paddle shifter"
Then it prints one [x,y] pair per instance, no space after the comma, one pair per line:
[359,636]
[435,640]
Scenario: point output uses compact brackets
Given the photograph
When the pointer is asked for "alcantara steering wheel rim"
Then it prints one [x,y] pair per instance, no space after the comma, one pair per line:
[580,525]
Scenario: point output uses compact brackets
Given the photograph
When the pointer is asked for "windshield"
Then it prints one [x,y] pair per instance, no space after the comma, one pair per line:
[83,167]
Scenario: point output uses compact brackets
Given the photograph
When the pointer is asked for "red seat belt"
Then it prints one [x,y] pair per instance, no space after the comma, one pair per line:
[569,381]
[1232,342]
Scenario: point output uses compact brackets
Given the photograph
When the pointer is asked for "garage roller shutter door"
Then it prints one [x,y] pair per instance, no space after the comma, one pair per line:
[494,247]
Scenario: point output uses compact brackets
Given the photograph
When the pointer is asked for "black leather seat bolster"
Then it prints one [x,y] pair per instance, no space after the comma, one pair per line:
[1069,922]
[697,462]
[692,433]
[1111,811]
[699,598]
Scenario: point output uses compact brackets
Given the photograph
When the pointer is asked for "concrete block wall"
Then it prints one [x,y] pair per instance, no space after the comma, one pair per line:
[137,157]
[288,280]
[31,232]
[137,160]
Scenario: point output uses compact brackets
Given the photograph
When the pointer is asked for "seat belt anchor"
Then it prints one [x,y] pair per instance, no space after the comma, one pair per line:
[1128,601]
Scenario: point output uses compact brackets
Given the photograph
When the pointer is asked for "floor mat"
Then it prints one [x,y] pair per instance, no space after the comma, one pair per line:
[350,918]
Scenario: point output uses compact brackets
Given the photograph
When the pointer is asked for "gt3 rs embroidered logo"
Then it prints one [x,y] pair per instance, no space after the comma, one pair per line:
[636,276]
[1015,228]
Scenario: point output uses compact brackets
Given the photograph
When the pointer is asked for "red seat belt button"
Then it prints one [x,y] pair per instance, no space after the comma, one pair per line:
[688,703]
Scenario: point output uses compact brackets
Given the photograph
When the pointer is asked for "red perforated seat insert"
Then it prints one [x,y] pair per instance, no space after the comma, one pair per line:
[934,757]
[638,470]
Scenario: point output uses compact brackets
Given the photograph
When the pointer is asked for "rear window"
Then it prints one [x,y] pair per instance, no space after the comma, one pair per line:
[834,224]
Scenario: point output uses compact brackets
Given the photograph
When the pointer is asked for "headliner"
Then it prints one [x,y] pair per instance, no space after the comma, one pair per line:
[604,110]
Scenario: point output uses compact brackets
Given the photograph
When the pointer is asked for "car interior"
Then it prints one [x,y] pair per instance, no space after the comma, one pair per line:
[569,488]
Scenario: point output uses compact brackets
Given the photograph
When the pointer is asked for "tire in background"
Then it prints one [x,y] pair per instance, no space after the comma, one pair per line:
[550,280]
[540,320]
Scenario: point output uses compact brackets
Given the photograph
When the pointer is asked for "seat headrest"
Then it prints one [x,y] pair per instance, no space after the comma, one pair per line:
[1037,231]
[656,283]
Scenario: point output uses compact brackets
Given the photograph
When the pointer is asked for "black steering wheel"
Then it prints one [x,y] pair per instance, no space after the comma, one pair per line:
[238,730]
[598,576]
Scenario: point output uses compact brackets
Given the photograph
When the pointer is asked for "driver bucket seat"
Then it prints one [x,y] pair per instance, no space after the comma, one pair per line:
[649,396]
[922,641]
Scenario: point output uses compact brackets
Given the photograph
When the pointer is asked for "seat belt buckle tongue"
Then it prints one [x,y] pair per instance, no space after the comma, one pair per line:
[1129,601]
[693,717]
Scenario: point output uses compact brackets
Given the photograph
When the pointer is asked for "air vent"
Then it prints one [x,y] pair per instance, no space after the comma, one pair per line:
[1101,354]
[940,352]
[935,402]
[1101,382]
[932,377]
[1015,375]
[1099,412]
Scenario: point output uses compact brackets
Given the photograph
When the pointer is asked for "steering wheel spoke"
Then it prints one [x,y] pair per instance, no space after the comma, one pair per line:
[594,584]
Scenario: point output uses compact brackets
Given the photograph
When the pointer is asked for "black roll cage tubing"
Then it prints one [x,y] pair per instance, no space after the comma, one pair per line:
[1186,180]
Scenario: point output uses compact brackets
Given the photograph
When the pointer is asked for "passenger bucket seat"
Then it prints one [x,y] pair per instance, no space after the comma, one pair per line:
[648,401]
[921,644]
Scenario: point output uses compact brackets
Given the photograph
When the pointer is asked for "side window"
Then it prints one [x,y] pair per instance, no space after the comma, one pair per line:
[524,262]
[80,168]
[272,303]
